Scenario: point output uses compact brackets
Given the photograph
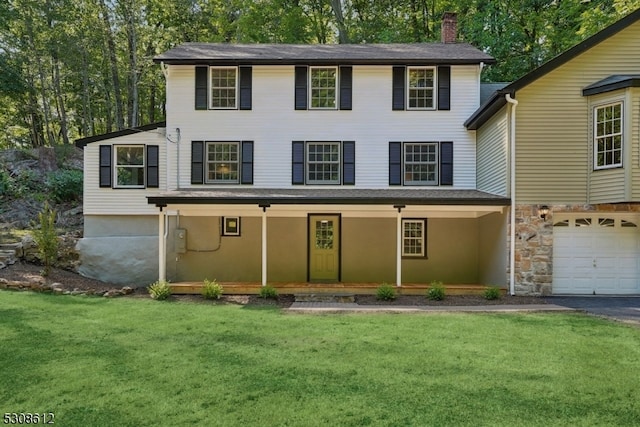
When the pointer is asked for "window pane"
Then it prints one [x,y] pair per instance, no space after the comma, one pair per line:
[421,88]
[323,87]
[223,87]
[421,164]
[323,163]
[222,162]
[413,237]
[608,135]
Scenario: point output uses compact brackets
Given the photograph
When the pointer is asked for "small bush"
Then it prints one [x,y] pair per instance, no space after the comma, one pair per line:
[65,185]
[385,292]
[46,238]
[268,292]
[492,293]
[436,292]
[159,290]
[211,289]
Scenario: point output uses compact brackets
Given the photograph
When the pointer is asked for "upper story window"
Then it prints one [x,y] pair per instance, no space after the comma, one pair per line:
[421,88]
[222,162]
[323,162]
[608,136]
[421,164]
[129,166]
[323,87]
[224,87]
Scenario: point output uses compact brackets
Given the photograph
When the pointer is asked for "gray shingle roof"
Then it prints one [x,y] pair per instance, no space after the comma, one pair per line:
[311,196]
[614,82]
[288,54]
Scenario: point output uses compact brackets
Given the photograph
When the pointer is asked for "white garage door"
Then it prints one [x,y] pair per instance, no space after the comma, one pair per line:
[596,254]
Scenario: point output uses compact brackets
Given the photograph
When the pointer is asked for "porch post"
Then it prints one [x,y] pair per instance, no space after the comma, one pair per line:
[162,250]
[399,245]
[264,244]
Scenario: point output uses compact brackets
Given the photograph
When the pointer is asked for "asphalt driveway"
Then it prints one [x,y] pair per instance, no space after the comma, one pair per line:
[626,309]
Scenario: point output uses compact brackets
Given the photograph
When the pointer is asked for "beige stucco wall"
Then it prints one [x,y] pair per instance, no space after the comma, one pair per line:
[493,249]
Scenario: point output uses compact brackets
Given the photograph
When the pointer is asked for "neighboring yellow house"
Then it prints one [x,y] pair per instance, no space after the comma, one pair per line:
[571,131]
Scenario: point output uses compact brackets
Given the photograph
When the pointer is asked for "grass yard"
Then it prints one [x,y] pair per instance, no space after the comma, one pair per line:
[137,362]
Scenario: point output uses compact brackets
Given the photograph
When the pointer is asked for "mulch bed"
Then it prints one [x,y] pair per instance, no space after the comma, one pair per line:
[70,281]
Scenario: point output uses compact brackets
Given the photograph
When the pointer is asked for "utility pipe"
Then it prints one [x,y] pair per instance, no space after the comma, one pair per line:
[512,172]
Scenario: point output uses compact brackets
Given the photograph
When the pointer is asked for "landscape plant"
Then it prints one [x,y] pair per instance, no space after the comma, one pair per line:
[211,289]
[46,238]
[268,292]
[159,290]
[492,293]
[385,292]
[436,291]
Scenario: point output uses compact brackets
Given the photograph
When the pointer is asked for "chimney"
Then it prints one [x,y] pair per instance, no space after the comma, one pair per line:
[449,28]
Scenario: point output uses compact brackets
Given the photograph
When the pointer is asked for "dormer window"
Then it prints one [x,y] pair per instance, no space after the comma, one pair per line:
[608,136]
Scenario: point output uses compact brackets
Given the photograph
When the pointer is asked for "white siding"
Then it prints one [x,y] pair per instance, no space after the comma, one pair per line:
[273,124]
[492,154]
[121,201]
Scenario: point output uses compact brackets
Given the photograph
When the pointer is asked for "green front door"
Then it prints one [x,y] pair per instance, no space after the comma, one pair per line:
[324,247]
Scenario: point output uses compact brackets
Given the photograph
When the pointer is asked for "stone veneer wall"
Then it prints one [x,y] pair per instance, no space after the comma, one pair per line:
[534,243]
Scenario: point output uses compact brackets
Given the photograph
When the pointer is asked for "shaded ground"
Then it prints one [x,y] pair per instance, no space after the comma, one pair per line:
[70,281]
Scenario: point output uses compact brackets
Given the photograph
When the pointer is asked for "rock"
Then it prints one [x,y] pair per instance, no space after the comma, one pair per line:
[127,290]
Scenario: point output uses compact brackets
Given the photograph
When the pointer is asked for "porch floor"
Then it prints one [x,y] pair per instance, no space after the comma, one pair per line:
[243,288]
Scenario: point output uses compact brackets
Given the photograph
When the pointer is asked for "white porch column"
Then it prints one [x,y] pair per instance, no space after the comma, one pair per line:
[264,244]
[162,249]
[399,246]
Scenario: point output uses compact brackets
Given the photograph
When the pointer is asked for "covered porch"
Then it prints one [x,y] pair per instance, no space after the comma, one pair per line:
[332,240]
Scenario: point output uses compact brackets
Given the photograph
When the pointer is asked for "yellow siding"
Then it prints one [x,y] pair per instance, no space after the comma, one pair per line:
[553,141]
[492,153]
[635,143]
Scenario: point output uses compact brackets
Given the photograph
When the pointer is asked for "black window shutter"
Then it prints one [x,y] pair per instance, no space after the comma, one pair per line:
[153,162]
[349,162]
[297,163]
[398,88]
[395,163]
[197,162]
[301,88]
[105,166]
[346,84]
[446,163]
[444,88]
[202,77]
[245,87]
[247,163]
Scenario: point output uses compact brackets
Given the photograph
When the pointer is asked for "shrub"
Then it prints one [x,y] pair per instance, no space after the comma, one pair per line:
[268,292]
[159,290]
[211,289]
[65,185]
[385,292]
[436,292]
[492,293]
[46,238]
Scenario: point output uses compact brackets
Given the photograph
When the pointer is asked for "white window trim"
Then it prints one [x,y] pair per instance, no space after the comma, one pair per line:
[306,163]
[337,88]
[117,166]
[404,165]
[423,239]
[595,135]
[210,88]
[435,89]
[206,163]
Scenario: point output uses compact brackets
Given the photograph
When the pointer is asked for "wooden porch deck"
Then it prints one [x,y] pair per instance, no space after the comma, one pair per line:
[243,288]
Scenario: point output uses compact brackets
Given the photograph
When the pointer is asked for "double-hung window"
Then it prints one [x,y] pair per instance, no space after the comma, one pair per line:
[413,237]
[608,136]
[222,162]
[421,163]
[323,163]
[421,88]
[224,87]
[129,166]
[323,88]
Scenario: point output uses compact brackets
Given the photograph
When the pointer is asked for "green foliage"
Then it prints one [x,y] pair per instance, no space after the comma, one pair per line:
[211,289]
[436,292]
[159,290]
[268,292]
[46,238]
[385,292]
[65,185]
[492,293]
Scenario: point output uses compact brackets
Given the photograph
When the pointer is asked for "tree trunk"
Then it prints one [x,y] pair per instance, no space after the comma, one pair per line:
[62,112]
[113,62]
[133,65]
[343,37]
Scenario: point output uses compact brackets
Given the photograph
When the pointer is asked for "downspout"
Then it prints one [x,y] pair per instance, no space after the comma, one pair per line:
[512,213]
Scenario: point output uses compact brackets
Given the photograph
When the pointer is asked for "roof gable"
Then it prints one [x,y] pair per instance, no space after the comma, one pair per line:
[82,142]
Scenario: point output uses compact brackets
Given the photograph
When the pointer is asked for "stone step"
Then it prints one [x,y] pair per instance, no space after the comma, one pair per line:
[339,298]
[7,257]
[10,246]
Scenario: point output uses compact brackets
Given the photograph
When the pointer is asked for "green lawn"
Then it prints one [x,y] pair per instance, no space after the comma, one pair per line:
[135,362]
